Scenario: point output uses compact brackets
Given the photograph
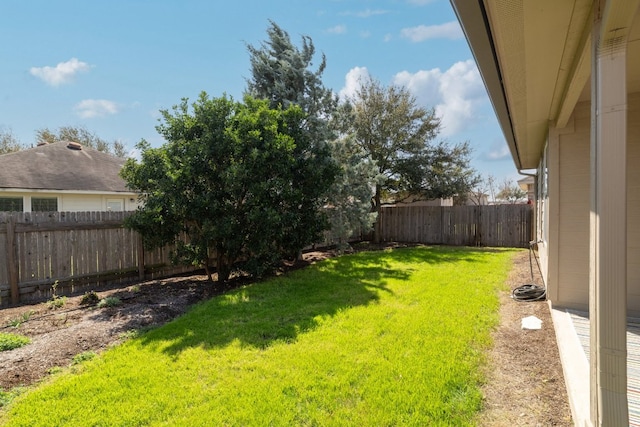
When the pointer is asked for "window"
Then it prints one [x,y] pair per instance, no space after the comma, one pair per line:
[115,205]
[11,204]
[44,204]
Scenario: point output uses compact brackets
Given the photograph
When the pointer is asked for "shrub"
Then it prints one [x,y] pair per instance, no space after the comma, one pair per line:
[109,302]
[90,298]
[11,341]
[57,302]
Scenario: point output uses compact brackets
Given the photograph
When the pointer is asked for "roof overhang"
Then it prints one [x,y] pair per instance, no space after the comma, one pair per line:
[535,60]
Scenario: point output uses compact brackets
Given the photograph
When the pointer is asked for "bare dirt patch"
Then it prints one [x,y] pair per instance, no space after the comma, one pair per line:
[525,384]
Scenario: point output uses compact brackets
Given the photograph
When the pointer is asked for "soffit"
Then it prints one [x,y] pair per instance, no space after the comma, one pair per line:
[537,45]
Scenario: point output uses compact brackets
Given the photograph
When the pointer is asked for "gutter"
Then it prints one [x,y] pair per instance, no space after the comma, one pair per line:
[474,21]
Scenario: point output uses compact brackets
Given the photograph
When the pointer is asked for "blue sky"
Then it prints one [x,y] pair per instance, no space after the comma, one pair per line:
[110,66]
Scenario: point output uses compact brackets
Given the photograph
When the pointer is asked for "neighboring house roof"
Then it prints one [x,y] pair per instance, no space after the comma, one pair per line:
[62,166]
[535,59]
[525,182]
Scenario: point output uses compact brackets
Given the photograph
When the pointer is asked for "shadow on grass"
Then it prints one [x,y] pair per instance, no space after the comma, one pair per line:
[280,309]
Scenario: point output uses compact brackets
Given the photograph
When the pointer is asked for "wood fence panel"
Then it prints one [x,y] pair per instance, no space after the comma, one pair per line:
[496,225]
[77,251]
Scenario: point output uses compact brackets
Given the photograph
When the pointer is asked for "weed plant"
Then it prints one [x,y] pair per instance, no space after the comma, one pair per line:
[24,317]
[83,357]
[11,341]
[109,302]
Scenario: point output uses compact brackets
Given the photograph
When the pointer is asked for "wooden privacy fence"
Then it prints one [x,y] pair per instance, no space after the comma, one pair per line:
[496,225]
[75,251]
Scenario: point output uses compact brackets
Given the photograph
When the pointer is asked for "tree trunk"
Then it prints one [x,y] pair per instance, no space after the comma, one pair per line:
[223,266]
[376,209]
[207,270]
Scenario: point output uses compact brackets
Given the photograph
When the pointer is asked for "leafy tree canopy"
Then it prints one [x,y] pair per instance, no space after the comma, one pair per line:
[229,178]
[511,192]
[399,136]
[83,136]
[8,142]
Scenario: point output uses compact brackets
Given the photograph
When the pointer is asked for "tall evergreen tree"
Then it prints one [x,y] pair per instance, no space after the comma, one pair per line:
[281,73]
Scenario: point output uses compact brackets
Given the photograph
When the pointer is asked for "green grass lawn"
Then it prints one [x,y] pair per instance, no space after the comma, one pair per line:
[372,339]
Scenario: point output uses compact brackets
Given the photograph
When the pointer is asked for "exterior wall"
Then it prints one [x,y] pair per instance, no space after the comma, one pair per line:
[565,253]
[70,202]
[633,204]
[569,206]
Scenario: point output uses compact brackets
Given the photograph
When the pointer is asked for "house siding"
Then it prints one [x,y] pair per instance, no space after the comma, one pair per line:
[633,203]
[70,202]
[569,205]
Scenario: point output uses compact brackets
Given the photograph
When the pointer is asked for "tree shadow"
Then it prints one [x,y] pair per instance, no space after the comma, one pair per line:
[281,309]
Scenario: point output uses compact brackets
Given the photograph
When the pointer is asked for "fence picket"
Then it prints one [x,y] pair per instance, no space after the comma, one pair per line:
[496,225]
[80,250]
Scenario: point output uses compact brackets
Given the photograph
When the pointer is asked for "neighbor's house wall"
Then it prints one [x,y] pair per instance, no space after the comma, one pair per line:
[76,202]
[565,252]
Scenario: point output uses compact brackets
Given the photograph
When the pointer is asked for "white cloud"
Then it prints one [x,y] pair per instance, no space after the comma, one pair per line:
[352,81]
[419,2]
[90,108]
[338,29]
[456,94]
[449,30]
[498,152]
[367,13]
[365,34]
[62,73]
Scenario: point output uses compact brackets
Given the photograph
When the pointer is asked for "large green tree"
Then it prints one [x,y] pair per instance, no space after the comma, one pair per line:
[283,74]
[83,136]
[228,177]
[399,135]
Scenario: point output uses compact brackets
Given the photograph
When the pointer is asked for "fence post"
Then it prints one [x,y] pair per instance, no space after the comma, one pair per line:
[12,265]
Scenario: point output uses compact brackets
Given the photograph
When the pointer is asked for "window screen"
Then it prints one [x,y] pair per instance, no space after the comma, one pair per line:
[44,204]
[115,205]
[11,204]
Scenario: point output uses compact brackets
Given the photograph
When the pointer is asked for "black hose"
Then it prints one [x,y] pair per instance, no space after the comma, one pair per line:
[530,291]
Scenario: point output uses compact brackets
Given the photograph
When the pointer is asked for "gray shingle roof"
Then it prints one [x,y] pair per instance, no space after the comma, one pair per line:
[57,167]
